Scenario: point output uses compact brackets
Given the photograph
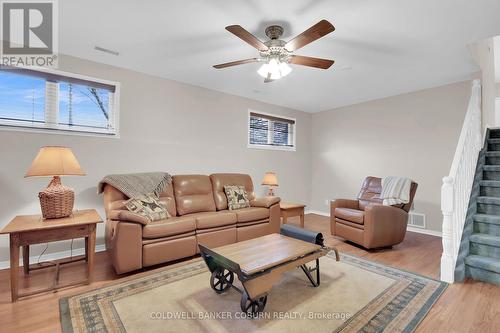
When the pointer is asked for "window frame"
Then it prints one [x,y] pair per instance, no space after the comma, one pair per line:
[6,125]
[271,147]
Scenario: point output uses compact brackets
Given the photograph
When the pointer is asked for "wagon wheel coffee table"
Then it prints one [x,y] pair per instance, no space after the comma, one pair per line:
[259,263]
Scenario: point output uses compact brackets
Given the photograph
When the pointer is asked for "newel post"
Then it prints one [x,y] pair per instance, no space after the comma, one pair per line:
[447,258]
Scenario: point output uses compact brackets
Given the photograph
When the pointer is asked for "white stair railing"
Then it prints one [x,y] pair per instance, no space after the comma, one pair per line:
[457,186]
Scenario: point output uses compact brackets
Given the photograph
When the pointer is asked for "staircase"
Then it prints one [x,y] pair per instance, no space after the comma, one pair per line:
[480,246]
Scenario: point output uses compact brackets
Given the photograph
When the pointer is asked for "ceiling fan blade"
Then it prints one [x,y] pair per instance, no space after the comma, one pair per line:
[311,62]
[235,63]
[317,31]
[239,32]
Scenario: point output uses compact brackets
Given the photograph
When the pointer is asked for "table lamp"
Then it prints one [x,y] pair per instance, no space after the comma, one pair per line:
[270,180]
[56,200]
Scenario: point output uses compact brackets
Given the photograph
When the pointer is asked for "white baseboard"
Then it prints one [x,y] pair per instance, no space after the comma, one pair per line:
[411,229]
[53,256]
[425,231]
[317,212]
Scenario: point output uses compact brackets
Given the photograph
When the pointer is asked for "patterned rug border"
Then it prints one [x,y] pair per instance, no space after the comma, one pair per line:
[394,273]
[64,310]
[424,310]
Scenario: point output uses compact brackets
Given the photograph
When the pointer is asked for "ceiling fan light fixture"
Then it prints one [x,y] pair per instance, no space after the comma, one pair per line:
[263,70]
[274,69]
[285,69]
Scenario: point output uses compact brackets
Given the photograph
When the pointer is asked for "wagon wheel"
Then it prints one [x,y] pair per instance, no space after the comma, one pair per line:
[221,280]
[252,307]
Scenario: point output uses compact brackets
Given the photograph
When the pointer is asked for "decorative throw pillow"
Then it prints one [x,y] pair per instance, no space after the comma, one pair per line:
[148,206]
[236,197]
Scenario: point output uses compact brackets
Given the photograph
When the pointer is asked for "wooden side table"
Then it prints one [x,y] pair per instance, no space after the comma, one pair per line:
[292,209]
[25,230]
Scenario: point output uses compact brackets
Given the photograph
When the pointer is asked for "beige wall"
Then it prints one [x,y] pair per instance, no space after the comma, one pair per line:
[412,135]
[164,125]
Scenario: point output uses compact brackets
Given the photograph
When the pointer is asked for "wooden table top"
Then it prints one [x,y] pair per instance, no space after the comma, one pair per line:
[289,205]
[264,252]
[24,223]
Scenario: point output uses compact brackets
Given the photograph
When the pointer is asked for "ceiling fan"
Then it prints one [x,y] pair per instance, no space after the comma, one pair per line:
[277,54]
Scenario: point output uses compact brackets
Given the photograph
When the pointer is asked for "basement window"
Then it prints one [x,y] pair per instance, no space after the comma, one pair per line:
[55,101]
[268,131]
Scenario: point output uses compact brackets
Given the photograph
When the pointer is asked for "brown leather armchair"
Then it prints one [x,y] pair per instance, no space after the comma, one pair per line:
[365,221]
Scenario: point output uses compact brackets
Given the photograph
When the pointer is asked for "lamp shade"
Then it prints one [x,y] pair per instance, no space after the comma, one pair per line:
[55,161]
[270,179]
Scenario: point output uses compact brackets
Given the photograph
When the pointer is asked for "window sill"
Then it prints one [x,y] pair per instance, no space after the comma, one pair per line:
[267,147]
[42,130]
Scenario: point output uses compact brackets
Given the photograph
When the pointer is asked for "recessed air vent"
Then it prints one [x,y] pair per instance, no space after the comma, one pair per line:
[416,220]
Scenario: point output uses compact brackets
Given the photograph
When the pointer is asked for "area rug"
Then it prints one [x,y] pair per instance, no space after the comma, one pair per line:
[355,295]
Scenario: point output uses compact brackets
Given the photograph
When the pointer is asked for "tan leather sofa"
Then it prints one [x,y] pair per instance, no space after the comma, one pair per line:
[198,206]
[365,221]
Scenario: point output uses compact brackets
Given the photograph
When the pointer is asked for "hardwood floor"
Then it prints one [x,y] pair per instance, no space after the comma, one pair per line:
[465,307]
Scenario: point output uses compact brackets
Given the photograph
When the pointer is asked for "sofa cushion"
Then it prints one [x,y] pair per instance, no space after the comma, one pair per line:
[370,192]
[207,220]
[351,215]
[236,197]
[149,206]
[351,224]
[168,198]
[252,214]
[219,180]
[169,227]
[193,194]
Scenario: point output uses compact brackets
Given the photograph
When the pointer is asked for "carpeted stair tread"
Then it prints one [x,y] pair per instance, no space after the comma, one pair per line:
[490,183]
[485,239]
[486,263]
[487,218]
[496,140]
[493,153]
[491,167]
[489,200]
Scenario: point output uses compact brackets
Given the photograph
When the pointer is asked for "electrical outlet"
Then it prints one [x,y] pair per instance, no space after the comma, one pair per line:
[327,202]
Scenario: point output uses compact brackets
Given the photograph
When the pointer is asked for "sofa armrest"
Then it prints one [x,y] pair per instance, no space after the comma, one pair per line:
[265,202]
[274,218]
[342,203]
[124,243]
[127,216]
[384,225]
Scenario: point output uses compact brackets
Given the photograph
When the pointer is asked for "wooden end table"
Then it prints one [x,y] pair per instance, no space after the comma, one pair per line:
[25,230]
[292,209]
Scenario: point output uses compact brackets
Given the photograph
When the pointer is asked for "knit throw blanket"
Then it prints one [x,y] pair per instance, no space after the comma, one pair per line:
[395,190]
[136,184]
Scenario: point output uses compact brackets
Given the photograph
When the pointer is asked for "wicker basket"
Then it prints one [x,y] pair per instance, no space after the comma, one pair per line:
[56,200]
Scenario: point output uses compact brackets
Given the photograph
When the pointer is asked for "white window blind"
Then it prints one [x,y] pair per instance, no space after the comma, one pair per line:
[57,101]
[270,131]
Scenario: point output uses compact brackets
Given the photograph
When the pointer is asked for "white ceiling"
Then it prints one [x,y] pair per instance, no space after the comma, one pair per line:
[392,46]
